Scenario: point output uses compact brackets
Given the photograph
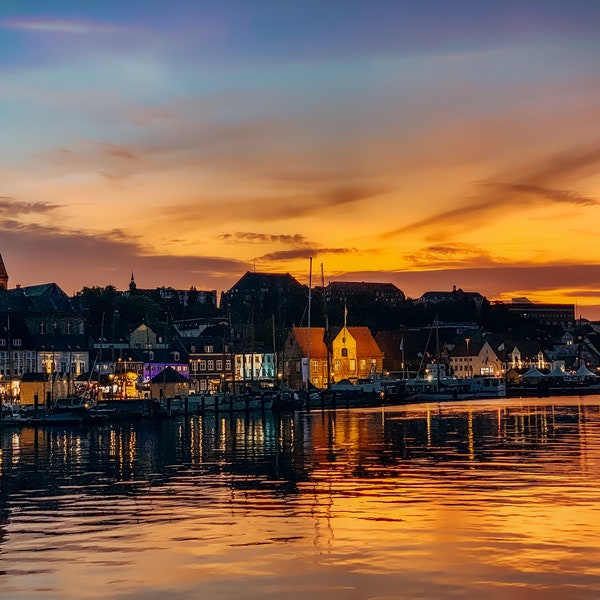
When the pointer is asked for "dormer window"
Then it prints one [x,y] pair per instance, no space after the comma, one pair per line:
[42,328]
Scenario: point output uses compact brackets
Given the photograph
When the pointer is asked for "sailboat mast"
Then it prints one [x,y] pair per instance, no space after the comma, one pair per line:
[308,321]
[326,327]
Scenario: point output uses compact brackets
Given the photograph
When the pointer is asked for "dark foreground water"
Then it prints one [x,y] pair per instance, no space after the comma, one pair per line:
[477,500]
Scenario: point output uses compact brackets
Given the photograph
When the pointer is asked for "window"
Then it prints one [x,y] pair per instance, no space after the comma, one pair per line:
[2,342]
[194,366]
[203,365]
[69,326]
[315,365]
[17,342]
[211,365]
[336,365]
[363,364]
[353,364]
[219,365]
[42,327]
[228,365]
[344,352]
[208,349]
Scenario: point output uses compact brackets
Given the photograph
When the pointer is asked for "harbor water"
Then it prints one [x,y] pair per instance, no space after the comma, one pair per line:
[476,499]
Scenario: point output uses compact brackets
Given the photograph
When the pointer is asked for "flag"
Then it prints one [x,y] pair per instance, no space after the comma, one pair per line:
[501,346]
[402,343]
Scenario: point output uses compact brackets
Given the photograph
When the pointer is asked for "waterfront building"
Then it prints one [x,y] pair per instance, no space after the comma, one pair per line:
[210,363]
[316,357]
[492,355]
[44,389]
[41,331]
[169,384]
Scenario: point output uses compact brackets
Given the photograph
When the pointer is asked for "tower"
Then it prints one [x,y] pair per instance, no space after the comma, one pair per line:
[132,286]
[3,275]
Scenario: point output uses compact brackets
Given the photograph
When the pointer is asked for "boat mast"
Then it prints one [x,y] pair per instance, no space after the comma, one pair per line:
[308,323]
[326,328]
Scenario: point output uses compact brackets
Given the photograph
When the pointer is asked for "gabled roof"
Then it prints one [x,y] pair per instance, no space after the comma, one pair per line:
[263,282]
[365,342]
[45,298]
[318,349]
[169,375]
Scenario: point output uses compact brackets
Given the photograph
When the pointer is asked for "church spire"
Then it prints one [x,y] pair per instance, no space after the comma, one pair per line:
[132,286]
[3,275]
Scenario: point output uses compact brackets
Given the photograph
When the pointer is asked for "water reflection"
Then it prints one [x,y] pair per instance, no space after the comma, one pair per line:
[425,501]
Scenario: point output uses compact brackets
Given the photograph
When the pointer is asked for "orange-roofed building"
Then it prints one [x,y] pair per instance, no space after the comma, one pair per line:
[343,353]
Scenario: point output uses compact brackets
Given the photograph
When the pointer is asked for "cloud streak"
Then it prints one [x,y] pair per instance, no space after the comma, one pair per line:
[57,26]
[531,189]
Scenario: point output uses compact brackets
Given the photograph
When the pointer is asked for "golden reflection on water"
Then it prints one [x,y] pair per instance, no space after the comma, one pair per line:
[481,499]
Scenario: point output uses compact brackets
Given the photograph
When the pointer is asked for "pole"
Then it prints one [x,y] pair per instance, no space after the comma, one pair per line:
[308,329]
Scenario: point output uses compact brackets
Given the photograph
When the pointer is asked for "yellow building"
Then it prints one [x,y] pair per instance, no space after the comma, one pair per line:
[48,387]
[317,357]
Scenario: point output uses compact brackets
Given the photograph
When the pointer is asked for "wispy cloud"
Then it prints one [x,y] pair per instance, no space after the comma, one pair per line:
[450,256]
[57,26]
[264,238]
[298,253]
[10,207]
[535,184]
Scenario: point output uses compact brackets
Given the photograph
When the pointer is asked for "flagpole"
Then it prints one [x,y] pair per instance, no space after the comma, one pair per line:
[403,361]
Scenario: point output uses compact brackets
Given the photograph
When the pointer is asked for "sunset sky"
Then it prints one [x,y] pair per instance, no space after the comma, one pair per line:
[425,143]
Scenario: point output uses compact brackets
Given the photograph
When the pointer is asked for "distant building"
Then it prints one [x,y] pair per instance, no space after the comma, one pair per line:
[433,298]
[549,314]
[183,297]
[262,291]
[383,293]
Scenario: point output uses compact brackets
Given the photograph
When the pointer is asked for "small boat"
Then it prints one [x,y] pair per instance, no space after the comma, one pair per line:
[12,415]
[360,392]
[439,387]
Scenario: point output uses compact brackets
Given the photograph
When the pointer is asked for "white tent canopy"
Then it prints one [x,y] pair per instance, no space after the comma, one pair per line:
[583,371]
[557,371]
[533,373]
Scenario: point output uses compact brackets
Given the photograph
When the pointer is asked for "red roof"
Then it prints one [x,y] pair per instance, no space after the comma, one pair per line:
[318,349]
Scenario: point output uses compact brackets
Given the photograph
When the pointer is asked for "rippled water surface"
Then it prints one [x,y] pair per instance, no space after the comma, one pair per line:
[492,500]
